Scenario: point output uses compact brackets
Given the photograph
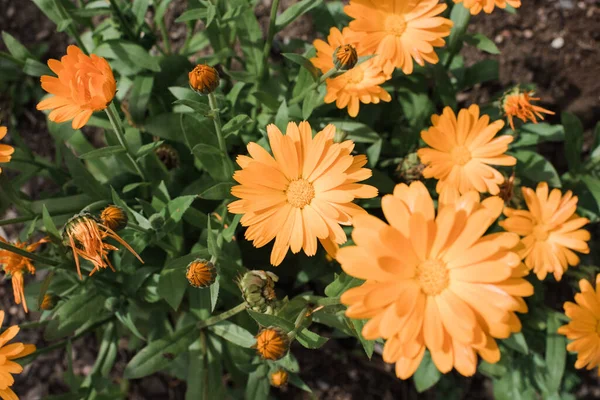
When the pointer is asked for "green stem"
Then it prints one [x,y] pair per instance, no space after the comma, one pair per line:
[115,121]
[214,106]
[165,36]
[222,317]
[312,87]
[24,253]
[270,35]
[123,22]
[299,321]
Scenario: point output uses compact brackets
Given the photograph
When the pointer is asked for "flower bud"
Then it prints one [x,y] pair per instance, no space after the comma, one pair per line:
[49,302]
[114,218]
[411,168]
[168,156]
[279,378]
[201,273]
[272,343]
[345,57]
[204,79]
[258,290]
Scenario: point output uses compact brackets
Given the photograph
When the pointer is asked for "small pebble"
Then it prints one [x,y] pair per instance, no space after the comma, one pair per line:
[528,33]
[558,43]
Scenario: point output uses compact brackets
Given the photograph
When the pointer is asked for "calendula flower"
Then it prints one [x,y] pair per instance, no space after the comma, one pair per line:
[584,328]
[15,266]
[399,31]
[83,84]
[551,230]
[345,57]
[303,193]
[204,79]
[279,378]
[6,151]
[435,282]
[517,104]
[86,237]
[272,343]
[201,273]
[9,353]
[359,84]
[114,217]
[463,150]
[475,6]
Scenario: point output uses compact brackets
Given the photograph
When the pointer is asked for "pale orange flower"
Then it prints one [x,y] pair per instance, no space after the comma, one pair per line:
[475,6]
[302,193]
[399,31]
[551,230]
[15,266]
[6,151]
[8,353]
[435,282]
[359,84]
[272,343]
[84,84]
[584,328]
[517,104]
[463,150]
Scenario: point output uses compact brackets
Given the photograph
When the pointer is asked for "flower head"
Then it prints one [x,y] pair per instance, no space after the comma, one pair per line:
[463,150]
[114,217]
[435,282]
[258,290]
[168,155]
[15,266]
[48,302]
[584,328]
[475,6]
[5,150]
[9,353]
[517,104]
[551,230]
[301,194]
[359,84]
[399,31]
[345,57]
[279,378]
[272,343]
[83,84]
[201,273]
[204,79]
[86,237]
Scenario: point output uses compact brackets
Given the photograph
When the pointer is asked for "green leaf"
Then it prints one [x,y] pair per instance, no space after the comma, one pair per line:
[517,342]
[251,40]
[174,211]
[213,247]
[217,164]
[165,126]
[532,134]
[482,71]
[131,54]
[49,224]
[427,374]
[460,17]
[171,286]
[83,179]
[295,380]
[127,320]
[44,288]
[303,62]
[192,15]
[310,340]
[482,42]
[271,320]
[341,283]
[201,108]
[368,345]
[357,131]
[258,385]
[536,168]
[233,333]
[148,148]
[573,141]
[140,94]
[556,353]
[295,11]
[211,12]
[77,311]
[102,152]
[593,185]
[157,354]
[35,68]
[235,124]
[15,48]
[282,117]
[219,191]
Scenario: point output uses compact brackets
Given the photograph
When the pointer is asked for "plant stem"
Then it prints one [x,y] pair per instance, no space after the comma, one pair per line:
[222,317]
[115,121]
[123,22]
[165,36]
[214,106]
[312,87]
[299,321]
[270,34]
[24,253]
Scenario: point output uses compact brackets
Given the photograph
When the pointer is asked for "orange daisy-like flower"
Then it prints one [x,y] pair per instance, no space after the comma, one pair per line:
[584,328]
[551,230]
[302,193]
[272,343]
[84,84]
[6,151]
[435,282]
[475,6]
[463,150]
[399,31]
[9,353]
[359,84]
[517,104]
[15,266]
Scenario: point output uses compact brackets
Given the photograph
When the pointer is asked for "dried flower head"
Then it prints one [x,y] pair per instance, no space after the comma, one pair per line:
[9,353]
[114,218]
[345,57]
[518,104]
[168,155]
[204,79]
[258,290]
[279,378]
[201,273]
[6,151]
[411,168]
[272,343]
[49,302]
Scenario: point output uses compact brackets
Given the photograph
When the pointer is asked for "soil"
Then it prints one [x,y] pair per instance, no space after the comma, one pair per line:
[553,44]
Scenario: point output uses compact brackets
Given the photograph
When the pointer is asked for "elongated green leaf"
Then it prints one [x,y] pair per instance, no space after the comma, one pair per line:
[271,320]
[303,62]
[148,148]
[556,353]
[131,54]
[427,374]
[192,15]
[482,42]
[257,387]
[295,11]
[197,106]
[102,152]
[573,141]
[219,191]
[49,225]
[341,283]
[460,17]
[233,333]
[517,342]
[15,47]
[35,68]
[593,185]
[536,168]
[368,345]
[217,164]
[171,286]
[140,94]
[83,179]
[310,340]
[127,320]
[73,314]
[235,124]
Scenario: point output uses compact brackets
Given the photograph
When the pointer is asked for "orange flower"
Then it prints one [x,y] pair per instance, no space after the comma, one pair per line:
[584,328]
[8,353]
[475,6]
[435,282]
[86,236]
[303,193]
[84,84]
[345,57]
[272,343]
[114,217]
[359,84]
[5,150]
[551,230]
[399,31]
[463,150]
[204,79]
[279,378]
[201,273]
[15,266]
[518,104]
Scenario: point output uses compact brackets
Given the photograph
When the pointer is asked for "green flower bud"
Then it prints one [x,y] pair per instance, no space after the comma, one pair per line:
[258,290]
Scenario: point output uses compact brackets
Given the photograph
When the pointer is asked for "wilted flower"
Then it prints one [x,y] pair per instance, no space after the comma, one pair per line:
[15,266]
[517,104]
[114,217]
[5,150]
[279,378]
[84,84]
[49,301]
[345,57]
[204,79]
[8,353]
[168,155]
[201,273]
[272,343]
[411,168]
[258,290]
[475,6]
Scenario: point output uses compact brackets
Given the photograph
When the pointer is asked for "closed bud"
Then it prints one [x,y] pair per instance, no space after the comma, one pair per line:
[272,343]
[114,217]
[49,302]
[258,290]
[204,79]
[168,156]
[157,221]
[279,378]
[201,273]
[345,57]
[411,168]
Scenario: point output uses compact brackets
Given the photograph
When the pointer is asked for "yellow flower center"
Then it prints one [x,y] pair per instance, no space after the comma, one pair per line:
[300,193]
[433,277]
[540,232]
[395,25]
[461,155]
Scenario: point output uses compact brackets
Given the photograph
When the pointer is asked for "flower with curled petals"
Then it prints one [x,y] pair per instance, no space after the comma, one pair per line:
[518,104]
[303,192]
[435,282]
[463,149]
[9,353]
[476,6]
